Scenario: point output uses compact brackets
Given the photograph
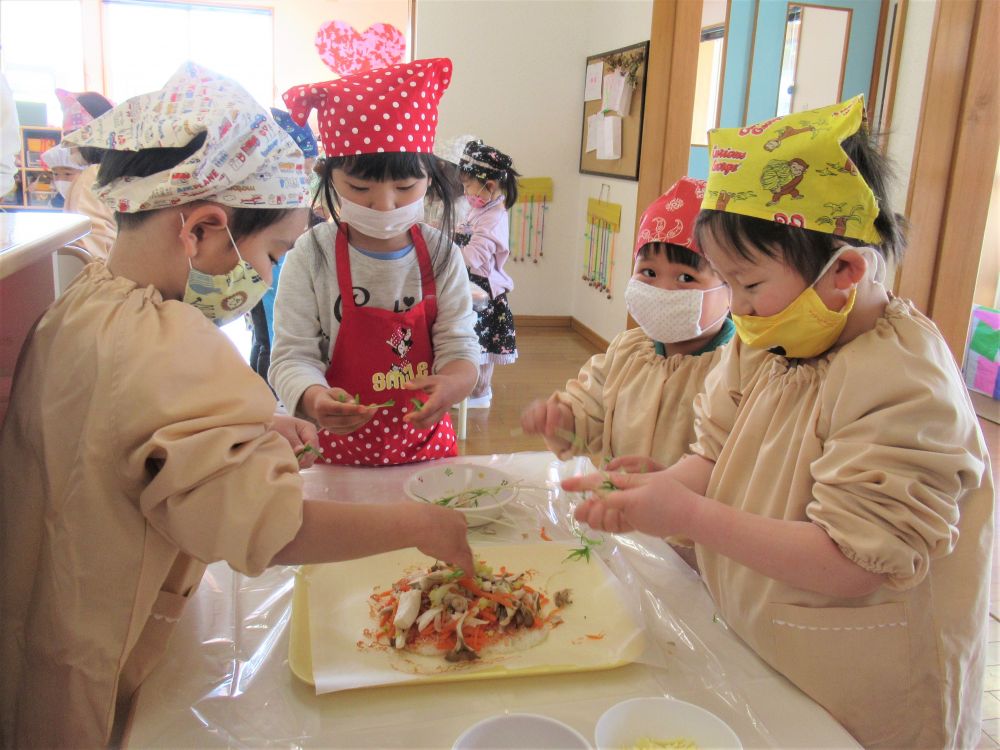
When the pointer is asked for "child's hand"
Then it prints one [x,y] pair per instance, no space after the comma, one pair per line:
[443,391]
[554,422]
[299,433]
[334,409]
[634,465]
[441,533]
[655,504]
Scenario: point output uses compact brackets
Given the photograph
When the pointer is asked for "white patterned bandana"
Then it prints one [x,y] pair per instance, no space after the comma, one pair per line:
[247,160]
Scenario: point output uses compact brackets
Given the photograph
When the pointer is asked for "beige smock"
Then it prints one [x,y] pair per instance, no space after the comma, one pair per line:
[877,443]
[134,452]
[632,401]
[83,200]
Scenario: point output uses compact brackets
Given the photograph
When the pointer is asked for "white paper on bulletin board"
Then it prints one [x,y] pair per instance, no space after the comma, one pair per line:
[595,78]
[609,144]
[594,131]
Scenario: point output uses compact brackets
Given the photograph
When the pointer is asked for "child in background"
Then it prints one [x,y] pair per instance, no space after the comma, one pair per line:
[262,315]
[138,447]
[74,177]
[450,153]
[490,183]
[839,494]
[638,396]
[374,329]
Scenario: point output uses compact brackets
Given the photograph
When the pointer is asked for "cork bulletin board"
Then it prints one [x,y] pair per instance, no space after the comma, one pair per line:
[626,165]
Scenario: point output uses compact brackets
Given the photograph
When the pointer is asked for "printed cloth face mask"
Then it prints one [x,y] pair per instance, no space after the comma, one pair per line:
[807,327]
[222,298]
[382,225]
[668,315]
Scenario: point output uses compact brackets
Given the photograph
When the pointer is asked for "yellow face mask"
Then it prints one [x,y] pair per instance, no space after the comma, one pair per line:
[806,328]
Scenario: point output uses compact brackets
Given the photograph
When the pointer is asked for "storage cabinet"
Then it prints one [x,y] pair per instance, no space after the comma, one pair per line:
[33,188]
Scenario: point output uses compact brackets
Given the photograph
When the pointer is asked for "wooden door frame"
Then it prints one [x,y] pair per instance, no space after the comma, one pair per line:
[675,34]
[954,162]
[671,74]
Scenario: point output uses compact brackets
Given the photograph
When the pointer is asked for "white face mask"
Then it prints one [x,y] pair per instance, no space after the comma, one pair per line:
[382,225]
[668,315]
[63,186]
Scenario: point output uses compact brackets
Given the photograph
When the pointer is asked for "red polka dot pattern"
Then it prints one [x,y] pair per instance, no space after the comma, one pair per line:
[388,441]
[385,110]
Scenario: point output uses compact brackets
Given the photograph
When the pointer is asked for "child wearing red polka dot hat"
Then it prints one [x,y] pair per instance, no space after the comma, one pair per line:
[374,333]
[637,398]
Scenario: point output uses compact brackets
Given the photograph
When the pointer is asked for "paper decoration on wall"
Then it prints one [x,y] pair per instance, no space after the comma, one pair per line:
[527,218]
[603,223]
[345,51]
[609,139]
[604,135]
[592,86]
[982,358]
[617,96]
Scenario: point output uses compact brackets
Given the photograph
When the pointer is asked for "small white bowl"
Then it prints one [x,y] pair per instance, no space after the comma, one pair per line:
[624,724]
[440,481]
[513,731]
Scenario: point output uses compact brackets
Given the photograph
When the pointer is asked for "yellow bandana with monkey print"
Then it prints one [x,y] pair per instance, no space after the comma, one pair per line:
[792,170]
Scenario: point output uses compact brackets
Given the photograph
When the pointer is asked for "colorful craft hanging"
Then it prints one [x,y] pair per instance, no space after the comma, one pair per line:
[603,223]
[982,355]
[527,218]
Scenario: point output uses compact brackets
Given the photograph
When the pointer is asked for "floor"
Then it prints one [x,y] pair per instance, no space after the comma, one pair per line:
[549,357]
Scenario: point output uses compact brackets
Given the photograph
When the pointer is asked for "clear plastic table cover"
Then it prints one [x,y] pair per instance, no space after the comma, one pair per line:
[225,680]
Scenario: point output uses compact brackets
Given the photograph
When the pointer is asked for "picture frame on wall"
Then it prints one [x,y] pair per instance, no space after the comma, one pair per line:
[613,108]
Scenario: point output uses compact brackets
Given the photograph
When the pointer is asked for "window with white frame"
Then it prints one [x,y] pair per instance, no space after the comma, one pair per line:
[145,41]
[41,49]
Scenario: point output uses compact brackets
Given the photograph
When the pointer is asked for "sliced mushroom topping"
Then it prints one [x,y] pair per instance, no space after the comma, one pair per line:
[563,597]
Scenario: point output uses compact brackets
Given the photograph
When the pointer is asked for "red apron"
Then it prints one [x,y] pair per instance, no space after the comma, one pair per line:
[376,352]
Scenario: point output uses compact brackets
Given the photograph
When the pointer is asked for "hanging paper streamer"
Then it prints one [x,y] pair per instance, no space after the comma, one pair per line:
[527,218]
[603,222]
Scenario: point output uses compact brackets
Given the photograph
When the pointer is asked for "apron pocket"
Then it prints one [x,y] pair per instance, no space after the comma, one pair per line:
[853,661]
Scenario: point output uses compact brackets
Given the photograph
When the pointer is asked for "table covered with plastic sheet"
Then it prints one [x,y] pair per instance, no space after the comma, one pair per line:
[225,680]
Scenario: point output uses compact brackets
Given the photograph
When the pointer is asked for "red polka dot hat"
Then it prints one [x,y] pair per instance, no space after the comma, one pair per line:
[379,111]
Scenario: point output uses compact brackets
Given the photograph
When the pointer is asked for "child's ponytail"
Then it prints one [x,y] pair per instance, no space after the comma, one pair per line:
[508,186]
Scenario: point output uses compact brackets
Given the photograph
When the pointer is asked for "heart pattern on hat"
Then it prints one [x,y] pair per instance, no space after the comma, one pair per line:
[345,51]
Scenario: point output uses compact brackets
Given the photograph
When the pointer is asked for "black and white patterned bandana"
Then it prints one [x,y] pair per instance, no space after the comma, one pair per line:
[484,162]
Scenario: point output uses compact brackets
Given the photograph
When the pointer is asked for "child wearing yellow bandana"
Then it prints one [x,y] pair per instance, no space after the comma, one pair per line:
[839,493]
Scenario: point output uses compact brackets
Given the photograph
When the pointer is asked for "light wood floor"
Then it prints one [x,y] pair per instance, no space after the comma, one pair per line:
[547,358]
[550,356]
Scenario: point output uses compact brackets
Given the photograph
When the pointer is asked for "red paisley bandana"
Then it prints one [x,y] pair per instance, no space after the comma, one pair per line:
[670,218]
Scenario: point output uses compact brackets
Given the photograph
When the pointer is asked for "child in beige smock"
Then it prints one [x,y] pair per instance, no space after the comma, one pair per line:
[74,179]
[637,398]
[139,446]
[839,495]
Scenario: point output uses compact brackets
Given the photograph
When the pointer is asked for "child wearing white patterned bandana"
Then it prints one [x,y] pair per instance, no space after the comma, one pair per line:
[139,446]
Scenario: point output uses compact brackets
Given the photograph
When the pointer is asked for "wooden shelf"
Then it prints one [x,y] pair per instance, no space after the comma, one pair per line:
[32,132]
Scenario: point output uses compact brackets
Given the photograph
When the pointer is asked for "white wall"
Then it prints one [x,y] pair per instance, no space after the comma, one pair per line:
[909,95]
[610,25]
[518,84]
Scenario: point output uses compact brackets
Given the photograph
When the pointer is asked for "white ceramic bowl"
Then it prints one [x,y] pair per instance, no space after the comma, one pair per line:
[514,731]
[624,724]
[441,481]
